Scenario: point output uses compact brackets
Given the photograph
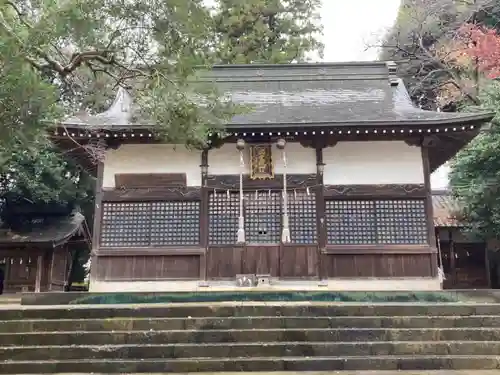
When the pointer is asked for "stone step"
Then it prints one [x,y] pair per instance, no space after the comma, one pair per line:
[264,322]
[250,335]
[239,309]
[237,350]
[121,366]
[368,372]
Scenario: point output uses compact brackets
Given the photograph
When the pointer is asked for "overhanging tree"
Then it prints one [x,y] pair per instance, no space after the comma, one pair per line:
[475,172]
[62,56]
[58,57]
[266,31]
[425,39]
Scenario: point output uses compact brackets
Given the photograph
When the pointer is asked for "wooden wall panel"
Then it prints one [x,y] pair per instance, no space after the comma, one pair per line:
[148,267]
[299,262]
[224,262]
[261,260]
[227,262]
[59,268]
[378,265]
[291,261]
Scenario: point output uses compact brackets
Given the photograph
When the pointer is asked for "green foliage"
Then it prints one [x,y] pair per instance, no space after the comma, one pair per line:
[58,57]
[39,173]
[266,31]
[475,173]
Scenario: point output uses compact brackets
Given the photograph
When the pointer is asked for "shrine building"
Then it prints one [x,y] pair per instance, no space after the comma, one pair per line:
[323,184]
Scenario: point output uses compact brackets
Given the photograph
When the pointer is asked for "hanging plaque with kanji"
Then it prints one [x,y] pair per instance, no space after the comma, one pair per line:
[261,162]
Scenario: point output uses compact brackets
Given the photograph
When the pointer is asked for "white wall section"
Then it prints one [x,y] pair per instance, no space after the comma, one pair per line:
[373,162]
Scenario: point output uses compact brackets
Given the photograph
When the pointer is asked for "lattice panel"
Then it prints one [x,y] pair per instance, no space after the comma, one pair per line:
[150,224]
[263,217]
[223,213]
[302,217]
[350,222]
[376,222]
[126,224]
[175,223]
[401,222]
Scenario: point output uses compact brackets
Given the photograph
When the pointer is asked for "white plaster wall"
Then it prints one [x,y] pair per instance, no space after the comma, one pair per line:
[375,162]
[226,160]
[152,158]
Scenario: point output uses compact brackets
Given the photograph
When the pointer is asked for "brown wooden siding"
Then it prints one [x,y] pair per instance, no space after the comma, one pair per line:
[378,265]
[284,261]
[148,267]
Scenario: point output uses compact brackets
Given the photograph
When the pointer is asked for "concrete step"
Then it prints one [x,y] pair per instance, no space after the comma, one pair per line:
[397,372]
[368,372]
[245,310]
[264,322]
[248,335]
[121,366]
[245,350]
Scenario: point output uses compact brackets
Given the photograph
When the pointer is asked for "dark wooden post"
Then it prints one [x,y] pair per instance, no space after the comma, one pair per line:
[204,217]
[453,269]
[320,211]
[487,265]
[431,233]
[96,230]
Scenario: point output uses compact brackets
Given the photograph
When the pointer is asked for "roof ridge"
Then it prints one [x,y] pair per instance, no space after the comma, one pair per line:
[302,65]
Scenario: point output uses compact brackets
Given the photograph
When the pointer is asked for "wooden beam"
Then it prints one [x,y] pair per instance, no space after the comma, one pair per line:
[150,251]
[379,249]
[147,180]
[192,193]
[376,191]
[232,182]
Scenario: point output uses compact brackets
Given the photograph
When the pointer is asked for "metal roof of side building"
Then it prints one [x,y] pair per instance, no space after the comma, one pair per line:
[283,95]
[54,231]
[445,209]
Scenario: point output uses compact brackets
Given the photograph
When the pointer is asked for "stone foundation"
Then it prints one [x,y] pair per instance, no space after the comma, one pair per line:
[393,284]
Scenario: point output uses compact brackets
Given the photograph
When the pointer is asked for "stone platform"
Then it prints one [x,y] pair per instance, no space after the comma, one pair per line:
[260,295]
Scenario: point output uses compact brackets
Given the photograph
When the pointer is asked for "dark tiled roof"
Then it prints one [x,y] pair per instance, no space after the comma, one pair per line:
[300,94]
[445,209]
[56,231]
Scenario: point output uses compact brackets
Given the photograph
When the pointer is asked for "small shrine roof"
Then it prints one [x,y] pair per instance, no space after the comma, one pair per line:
[287,95]
[445,209]
[55,230]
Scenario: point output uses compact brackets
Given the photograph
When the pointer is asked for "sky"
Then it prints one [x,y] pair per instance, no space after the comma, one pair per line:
[343,42]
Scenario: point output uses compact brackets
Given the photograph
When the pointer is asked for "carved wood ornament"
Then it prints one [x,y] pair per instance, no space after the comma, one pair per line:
[261,162]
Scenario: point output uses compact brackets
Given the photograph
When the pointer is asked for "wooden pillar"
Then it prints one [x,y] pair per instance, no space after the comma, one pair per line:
[39,270]
[431,233]
[320,210]
[453,268]
[487,266]
[96,229]
[204,217]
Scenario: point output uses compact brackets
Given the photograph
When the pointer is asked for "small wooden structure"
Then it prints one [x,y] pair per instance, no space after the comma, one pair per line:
[464,259]
[39,259]
[324,182]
